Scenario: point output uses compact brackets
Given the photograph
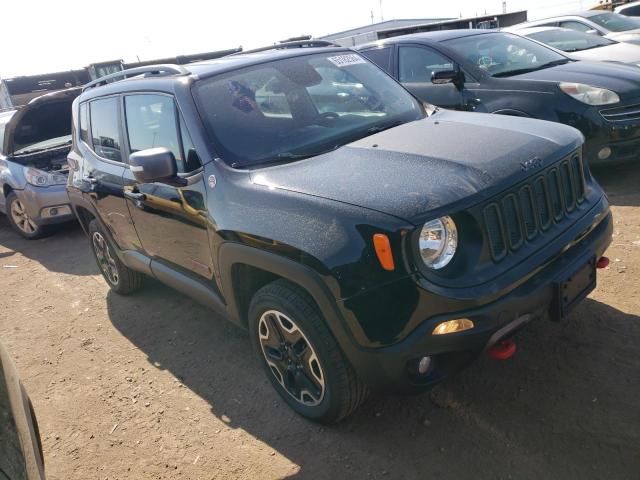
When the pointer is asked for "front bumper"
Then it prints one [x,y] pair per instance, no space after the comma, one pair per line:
[621,137]
[46,205]
[394,367]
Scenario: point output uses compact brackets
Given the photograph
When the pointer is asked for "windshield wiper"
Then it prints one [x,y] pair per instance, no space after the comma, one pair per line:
[520,71]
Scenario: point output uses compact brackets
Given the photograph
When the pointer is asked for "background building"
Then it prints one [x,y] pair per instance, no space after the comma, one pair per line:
[393,28]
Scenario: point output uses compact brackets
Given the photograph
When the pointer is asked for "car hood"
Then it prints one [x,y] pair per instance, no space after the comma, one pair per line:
[44,114]
[622,79]
[422,167]
[627,36]
[618,52]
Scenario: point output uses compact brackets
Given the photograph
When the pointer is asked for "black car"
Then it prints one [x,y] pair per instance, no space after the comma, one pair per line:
[20,444]
[363,245]
[499,72]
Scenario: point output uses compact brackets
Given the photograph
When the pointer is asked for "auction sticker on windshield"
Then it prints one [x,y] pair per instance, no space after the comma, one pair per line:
[346,60]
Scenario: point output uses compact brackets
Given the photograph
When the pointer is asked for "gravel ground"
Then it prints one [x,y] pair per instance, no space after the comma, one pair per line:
[155,386]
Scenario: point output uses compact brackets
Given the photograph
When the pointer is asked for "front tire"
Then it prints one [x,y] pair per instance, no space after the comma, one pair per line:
[20,220]
[300,356]
[120,278]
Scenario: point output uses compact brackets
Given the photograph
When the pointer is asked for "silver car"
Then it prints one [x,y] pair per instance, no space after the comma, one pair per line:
[582,46]
[606,24]
[34,142]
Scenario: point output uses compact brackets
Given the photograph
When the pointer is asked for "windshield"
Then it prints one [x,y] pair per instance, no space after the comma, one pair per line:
[504,54]
[615,22]
[300,107]
[570,40]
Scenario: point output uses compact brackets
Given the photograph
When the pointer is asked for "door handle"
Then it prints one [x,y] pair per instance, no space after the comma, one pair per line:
[135,196]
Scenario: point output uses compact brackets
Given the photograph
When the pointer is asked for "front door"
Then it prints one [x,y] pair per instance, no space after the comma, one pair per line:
[416,64]
[171,221]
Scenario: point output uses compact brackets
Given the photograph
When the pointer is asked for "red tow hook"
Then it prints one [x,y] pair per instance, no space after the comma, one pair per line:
[603,262]
[503,350]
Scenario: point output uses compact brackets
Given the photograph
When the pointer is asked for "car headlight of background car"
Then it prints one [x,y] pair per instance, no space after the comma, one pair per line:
[588,94]
[40,178]
[438,242]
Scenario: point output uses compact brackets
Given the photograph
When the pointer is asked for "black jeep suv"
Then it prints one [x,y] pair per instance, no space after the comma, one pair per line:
[363,238]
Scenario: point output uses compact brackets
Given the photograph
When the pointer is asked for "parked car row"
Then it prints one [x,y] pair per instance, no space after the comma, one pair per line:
[363,236]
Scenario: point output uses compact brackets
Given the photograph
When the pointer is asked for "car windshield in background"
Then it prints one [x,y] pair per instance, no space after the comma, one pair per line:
[504,54]
[300,107]
[570,40]
[615,22]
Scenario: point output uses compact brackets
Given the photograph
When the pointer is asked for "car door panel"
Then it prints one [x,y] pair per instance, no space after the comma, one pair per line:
[171,221]
[102,177]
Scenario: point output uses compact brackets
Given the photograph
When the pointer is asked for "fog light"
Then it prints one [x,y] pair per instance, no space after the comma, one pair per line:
[604,153]
[453,326]
[53,211]
[423,365]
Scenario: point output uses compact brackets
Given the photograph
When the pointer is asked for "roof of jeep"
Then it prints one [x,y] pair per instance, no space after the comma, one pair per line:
[204,69]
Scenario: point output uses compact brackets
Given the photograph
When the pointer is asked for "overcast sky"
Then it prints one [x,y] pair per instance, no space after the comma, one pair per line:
[46,36]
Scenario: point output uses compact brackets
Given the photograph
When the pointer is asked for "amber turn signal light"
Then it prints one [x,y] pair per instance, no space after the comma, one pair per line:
[383,251]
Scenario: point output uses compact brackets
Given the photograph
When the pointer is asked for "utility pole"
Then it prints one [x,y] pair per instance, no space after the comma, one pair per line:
[504,6]
[371,17]
[381,15]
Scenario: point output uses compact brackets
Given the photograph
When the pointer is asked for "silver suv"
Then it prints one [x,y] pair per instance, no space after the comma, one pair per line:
[34,142]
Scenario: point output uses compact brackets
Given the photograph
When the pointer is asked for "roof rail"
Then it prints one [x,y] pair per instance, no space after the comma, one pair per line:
[160,70]
[294,44]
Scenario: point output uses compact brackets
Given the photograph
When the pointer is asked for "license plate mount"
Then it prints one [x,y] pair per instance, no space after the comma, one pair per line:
[571,289]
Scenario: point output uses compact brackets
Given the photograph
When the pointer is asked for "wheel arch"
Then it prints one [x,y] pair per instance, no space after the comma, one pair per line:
[244,270]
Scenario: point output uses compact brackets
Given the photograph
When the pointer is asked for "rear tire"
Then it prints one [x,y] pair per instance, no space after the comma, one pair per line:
[300,356]
[21,222]
[120,278]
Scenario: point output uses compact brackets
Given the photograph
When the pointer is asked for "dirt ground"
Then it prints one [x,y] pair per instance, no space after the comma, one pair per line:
[155,386]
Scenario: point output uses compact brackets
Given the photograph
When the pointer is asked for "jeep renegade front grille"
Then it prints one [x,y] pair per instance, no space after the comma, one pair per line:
[520,215]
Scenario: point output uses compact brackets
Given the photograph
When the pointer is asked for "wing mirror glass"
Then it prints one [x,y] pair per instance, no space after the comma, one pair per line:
[154,165]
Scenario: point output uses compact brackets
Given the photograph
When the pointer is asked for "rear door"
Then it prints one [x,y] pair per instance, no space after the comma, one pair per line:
[172,222]
[416,65]
[103,166]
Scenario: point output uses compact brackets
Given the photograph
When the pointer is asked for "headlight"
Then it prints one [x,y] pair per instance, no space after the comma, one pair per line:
[438,242]
[40,178]
[588,94]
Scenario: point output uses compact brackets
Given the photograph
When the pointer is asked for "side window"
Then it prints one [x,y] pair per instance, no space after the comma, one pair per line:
[417,64]
[579,26]
[151,122]
[633,11]
[381,57]
[84,123]
[105,131]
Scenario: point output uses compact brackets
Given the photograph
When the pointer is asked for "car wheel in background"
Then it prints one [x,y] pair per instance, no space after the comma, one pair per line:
[20,221]
[120,278]
[300,356]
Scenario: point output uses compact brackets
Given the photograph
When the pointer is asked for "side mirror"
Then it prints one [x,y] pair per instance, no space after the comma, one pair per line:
[592,32]
[448,76]
[153,165]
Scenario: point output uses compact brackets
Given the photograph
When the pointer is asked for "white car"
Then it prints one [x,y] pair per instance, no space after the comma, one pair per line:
[582,46]
[631,9]
[606,24]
